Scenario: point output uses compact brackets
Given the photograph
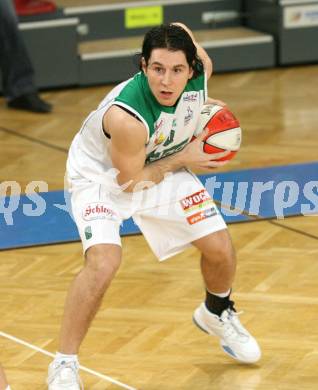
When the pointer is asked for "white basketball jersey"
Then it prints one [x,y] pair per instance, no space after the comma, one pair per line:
[169,128]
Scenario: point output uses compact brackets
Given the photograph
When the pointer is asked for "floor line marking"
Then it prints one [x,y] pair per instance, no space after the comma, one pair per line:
[83,368]
[33,139]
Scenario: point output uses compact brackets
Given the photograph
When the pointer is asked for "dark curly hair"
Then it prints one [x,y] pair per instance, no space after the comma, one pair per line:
[173,38]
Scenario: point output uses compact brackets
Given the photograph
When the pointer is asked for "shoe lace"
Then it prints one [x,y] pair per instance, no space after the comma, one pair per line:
[73,366]
[231,323]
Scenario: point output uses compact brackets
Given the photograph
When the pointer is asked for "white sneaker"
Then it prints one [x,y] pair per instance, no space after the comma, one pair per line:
[64,376]
[235,340]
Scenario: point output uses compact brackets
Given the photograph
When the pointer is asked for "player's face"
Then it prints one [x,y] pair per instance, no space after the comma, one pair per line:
[168,73]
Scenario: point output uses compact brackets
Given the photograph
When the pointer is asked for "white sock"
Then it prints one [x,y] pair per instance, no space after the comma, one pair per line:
[221,295]
[62,357]
[8,388]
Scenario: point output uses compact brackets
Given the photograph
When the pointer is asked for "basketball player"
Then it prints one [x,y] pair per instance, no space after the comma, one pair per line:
[3,380]
[133,157]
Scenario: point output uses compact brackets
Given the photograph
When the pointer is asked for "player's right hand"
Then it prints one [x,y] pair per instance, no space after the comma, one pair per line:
[195,159]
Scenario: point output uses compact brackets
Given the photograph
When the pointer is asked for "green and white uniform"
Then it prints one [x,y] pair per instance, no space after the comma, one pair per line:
[169,129]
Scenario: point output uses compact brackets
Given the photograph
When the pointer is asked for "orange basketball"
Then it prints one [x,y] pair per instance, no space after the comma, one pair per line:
[224,129]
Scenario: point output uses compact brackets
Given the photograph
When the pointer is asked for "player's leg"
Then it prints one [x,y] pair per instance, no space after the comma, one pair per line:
[217,315]
[98,225]
[86,293]
[193,218]
[218,262]
[3,380]
[82,303]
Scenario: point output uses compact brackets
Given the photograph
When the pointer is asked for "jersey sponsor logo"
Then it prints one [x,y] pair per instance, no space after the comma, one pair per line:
[189,116]
[98,211]
[192,97]
[154,155]
[158,135]
[159,139]
[159,124]
[170,138]
[201,215]
[198,198]
[200,206]
[88,232]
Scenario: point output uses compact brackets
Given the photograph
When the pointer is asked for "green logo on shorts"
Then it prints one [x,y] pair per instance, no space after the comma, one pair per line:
[88,232]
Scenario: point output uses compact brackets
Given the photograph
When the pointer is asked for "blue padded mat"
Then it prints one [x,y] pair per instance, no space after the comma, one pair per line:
[287,190]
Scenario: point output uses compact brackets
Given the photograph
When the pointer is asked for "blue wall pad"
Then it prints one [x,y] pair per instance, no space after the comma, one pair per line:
[274,192]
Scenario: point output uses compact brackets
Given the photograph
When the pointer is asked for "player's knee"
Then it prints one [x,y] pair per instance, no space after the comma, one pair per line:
[103,261]
[220,252]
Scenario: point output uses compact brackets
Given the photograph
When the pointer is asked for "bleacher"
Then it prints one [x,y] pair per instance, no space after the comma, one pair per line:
[80,42]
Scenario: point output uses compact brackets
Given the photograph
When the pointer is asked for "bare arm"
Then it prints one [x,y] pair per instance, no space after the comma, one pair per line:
[128,153]
[203,55]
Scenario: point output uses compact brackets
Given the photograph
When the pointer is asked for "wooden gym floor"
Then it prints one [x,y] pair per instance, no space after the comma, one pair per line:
[143,335]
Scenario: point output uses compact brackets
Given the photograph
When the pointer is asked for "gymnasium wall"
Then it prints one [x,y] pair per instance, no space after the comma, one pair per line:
[92,42]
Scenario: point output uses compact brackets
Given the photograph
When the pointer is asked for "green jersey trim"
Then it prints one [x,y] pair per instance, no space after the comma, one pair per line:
[137,97]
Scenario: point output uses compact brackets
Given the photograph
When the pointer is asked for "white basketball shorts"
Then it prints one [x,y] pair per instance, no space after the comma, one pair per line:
[170,215]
